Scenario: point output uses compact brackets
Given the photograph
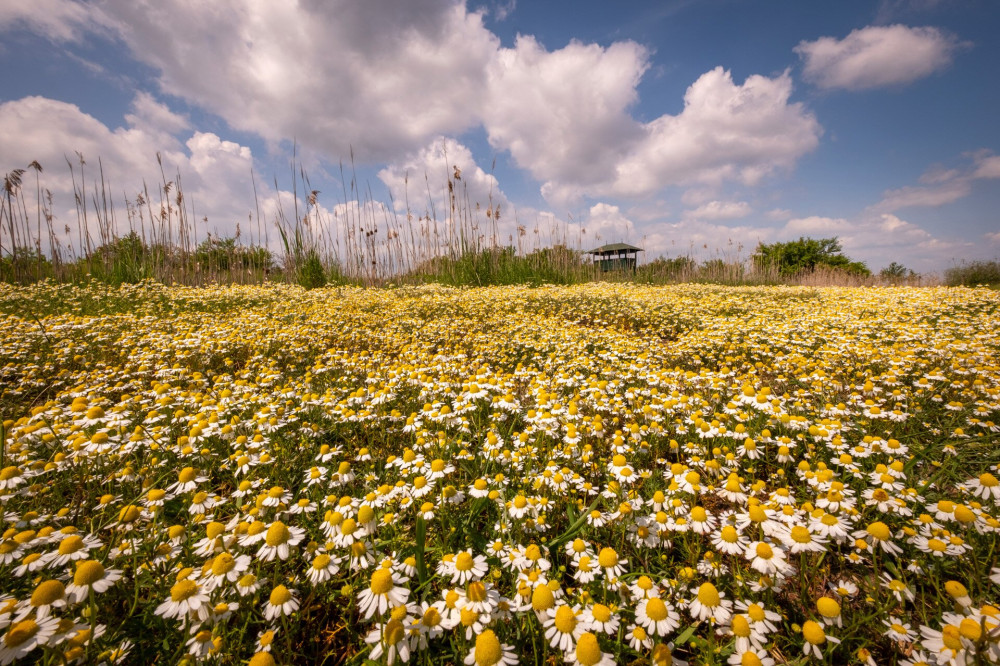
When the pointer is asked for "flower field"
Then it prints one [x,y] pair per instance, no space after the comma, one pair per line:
[595,474]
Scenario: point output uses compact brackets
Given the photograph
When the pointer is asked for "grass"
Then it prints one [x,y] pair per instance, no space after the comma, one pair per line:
[163,424]
[156,235]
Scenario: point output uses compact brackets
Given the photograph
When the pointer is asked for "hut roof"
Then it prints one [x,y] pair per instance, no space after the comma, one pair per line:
[615,248]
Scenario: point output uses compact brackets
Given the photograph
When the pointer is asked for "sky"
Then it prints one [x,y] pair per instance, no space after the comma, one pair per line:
[686,127]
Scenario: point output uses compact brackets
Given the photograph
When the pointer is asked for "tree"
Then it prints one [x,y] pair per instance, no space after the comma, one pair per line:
[895,272]
[806,255]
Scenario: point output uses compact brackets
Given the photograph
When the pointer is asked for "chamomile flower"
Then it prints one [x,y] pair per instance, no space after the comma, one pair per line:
[24,636]
[815,637]
[279,539]
[384,590]
[600,619]
[281,602]
[587,652]
[91,576]
[466,567]
[656,616]
[710,604]
[898,630]
[489,651]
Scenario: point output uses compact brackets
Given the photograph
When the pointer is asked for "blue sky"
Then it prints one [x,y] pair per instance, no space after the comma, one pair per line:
[698,127]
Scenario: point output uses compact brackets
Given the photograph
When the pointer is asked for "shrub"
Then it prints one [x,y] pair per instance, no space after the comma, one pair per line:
[974,273]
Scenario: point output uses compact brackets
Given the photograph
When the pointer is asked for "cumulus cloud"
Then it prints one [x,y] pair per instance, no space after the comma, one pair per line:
[876,56]
[216,173]
[720,210]
[418,183]
[381,78]
[563,114]
[726,131]
[606,223]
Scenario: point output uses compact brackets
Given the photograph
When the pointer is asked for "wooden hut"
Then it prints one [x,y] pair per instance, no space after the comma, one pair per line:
[616,257]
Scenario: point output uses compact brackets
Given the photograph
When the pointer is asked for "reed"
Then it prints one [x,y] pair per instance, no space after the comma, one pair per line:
[360,241]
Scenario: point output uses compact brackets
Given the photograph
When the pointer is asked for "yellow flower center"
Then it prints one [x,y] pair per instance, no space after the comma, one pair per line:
[394,632]
[951,637]
[608,558]
[349,526]
[156,494]
[601,613]
[588,652]
[432,617]
[469,617]
[464,561]
[47,593]
[488,652]
[20,633]
[187,475]
[755,612]
[565,619]
[813,633]
[970,629]
[280,595]
[70,544]
[322,561]
[381,582]
[955,589]
[277,534]
[708,595]
[827,607]
[988,480]
[764,551]
[183,589]
[223,564]
[476,591]
[879,530]
[366,514]
[729,534]
[741,627]
[656,610]
[88,572]
[750,659]
[542,598]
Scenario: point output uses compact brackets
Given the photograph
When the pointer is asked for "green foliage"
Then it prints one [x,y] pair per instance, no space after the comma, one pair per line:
[224,254]
[503,266]
[974,273]
[26,265]
[896,272]
[309,272]
[806,255]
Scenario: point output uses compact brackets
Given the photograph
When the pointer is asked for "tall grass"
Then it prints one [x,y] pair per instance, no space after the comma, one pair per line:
[361,241]
[974,273]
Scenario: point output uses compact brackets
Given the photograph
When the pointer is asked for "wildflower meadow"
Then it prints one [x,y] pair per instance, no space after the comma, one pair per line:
[593,474]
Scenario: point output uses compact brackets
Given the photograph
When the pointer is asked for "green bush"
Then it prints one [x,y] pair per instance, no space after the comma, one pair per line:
[974,273]
[806,255]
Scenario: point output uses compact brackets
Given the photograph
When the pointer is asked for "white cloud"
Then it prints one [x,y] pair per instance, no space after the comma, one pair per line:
[725,132]
[607,224]
[938,195]
[215,173]
[816,225]
[876,56]
[426,172]
[381,78]
[942,186]
[987,167]
[58,20]
[720,210]
[563,115]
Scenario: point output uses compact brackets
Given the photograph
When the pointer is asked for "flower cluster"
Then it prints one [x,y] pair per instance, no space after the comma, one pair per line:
[597,473]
